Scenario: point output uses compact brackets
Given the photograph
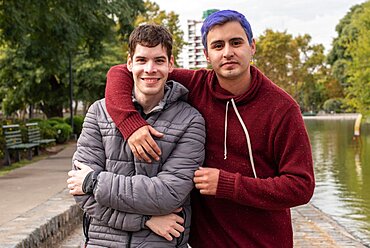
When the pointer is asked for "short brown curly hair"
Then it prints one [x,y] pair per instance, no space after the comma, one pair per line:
[150,35]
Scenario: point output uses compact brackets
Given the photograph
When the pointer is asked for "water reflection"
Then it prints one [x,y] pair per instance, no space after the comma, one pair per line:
[342,170]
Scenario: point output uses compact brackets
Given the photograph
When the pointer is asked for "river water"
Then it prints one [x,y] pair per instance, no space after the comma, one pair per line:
[342,171]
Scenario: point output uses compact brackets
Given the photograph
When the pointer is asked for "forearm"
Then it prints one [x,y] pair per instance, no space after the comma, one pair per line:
[111,217]
[118,97]
[279,192]
[118,93]
[286,179]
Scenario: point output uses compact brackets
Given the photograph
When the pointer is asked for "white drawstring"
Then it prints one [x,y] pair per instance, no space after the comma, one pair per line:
[245,132]
[225,146]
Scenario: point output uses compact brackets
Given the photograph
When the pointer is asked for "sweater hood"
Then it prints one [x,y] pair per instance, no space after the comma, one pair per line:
[219,93]
[173,92]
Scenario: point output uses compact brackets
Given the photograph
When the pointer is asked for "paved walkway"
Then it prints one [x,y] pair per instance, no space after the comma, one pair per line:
[37,211]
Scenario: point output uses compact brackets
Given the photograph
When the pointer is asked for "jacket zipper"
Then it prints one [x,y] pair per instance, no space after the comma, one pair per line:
[85,226]
[129,240]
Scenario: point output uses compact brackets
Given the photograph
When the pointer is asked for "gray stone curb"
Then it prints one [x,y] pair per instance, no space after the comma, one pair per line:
[43,226]
[313,228]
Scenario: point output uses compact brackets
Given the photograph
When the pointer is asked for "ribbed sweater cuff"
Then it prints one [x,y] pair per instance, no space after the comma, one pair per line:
[226,185]
[129,125]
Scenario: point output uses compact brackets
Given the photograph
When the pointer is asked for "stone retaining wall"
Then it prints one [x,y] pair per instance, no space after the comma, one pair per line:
[43,226]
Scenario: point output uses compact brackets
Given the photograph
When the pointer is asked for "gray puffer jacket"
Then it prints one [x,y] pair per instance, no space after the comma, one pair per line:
[129,190]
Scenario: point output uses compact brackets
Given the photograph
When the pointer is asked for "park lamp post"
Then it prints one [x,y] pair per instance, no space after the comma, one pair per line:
[70,89]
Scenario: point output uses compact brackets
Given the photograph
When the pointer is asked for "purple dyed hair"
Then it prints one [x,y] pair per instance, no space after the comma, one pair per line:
[222,17]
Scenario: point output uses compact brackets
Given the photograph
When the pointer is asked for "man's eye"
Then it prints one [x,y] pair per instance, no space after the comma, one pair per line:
[160,61]
[217,46]
[140,60]
[236,42]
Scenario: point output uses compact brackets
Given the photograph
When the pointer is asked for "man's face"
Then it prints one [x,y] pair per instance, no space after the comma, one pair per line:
[150,67]
[229,51]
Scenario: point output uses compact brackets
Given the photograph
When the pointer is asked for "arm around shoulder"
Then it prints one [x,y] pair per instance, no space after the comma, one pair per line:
[118,97]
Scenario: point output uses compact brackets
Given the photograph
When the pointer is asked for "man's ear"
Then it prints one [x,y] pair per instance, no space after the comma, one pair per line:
[171,64]
[206,54]
[129,63]
[253,47]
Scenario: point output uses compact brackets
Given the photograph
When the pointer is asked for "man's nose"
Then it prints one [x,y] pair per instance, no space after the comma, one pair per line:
[228,51]
[150,67]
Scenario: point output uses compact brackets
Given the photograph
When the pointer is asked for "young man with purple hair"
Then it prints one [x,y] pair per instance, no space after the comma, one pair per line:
[258,156]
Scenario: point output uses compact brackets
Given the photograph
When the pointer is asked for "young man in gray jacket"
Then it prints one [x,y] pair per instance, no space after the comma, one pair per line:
[122,196]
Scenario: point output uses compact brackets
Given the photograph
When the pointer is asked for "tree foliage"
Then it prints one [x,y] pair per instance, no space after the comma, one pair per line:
[295,65]
[358,67]
[349,57]
[338,56]
[39,37]
[170,20]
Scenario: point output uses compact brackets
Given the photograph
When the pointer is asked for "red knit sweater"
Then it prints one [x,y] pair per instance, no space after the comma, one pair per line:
[246,211]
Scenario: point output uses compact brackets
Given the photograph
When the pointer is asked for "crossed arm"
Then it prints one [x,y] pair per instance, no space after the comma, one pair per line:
[129,212]
[167,226]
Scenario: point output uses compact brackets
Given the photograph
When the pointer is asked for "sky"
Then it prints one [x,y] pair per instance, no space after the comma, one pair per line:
[317,18]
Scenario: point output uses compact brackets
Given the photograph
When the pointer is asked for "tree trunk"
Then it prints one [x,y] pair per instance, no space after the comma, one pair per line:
[30,111]
[76,107]
[52,106]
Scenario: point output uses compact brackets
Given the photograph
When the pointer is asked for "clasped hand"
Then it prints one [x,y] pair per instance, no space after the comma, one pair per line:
[77,177]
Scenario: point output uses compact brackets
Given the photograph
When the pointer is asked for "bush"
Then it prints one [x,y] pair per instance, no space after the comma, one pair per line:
[63,131]
[2,144]
[38,120]
[57,119]
[333,105]
[46,130]
[52,123]
[77,123]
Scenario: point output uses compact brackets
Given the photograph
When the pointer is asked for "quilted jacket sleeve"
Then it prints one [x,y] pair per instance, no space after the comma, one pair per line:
[90,151]
[165,192]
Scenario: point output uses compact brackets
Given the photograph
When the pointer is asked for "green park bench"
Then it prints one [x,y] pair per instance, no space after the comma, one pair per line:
[34,135]
[13,142]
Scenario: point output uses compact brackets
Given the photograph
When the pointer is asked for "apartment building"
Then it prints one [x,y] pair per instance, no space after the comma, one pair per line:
[193,56]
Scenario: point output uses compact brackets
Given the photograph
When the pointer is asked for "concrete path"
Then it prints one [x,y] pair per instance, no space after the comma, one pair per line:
[25,188]
[37,211]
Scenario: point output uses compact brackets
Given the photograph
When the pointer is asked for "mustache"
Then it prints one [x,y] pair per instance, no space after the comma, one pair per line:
[229,62]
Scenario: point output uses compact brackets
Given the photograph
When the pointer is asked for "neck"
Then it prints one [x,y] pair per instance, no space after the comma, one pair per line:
[236,86]
[148,102]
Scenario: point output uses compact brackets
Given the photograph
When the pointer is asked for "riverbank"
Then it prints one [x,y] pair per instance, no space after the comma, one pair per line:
[343,116]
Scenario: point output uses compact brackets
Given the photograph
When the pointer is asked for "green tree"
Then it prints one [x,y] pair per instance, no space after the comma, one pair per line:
[90,75]
[170,20]
[295,65]
[40,36]
[358,68]
[338,55]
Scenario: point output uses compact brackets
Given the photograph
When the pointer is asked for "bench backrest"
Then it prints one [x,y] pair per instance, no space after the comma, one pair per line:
[33,132]
[12,135]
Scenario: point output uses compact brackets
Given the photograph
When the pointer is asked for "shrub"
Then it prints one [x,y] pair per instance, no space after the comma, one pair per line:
[64,132]
[57,119]
[77,123]
[46,130]
[52,123]
[333,105]
[2,144]
[38,120]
